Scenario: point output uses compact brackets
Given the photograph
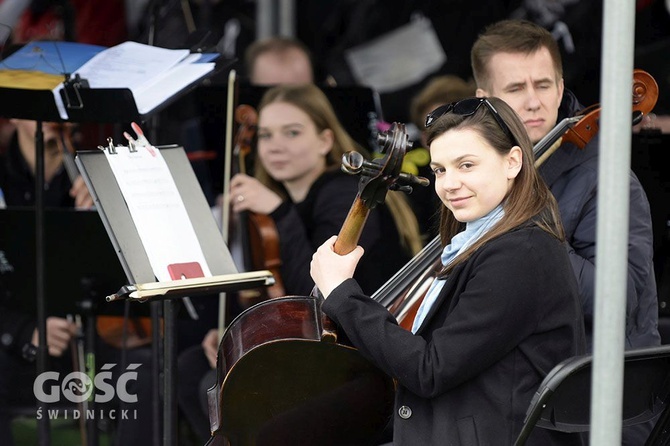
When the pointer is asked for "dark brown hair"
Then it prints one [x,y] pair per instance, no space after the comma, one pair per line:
[528,200]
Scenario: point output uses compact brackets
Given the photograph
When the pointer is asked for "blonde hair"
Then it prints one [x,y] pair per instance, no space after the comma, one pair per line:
[310,99]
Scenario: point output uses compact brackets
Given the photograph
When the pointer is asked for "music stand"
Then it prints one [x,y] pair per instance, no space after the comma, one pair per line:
[125,237]
[100,105]
[37,105]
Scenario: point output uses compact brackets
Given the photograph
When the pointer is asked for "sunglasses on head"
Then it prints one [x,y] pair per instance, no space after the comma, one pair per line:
[468,107]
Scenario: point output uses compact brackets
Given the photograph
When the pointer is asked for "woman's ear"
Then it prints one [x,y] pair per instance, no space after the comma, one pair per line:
[327,139]
[514,162]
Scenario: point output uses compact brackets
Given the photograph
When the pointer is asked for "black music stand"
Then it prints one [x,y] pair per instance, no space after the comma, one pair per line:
[83,104]
[37,105]
[127,241]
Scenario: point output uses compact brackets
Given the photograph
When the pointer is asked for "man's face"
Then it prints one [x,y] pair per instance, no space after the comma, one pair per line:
[290,67]
[527,82]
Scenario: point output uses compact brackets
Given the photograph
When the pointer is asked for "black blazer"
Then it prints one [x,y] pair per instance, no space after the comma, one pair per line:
[503,320]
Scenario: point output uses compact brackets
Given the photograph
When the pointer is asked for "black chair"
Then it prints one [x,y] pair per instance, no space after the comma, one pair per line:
[563,400]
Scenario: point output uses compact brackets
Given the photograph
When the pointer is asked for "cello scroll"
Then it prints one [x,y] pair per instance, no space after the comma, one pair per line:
[644,95]
[377,178]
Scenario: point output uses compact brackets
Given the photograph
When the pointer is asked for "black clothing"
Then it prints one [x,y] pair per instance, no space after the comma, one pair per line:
[17,323]
[304,226]
[17,370]
[18,183]
[504,318]
[572,175]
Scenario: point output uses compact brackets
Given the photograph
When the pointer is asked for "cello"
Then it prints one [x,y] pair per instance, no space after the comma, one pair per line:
[284,376]
[403,293]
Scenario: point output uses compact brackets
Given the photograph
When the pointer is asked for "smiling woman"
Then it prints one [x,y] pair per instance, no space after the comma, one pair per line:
[474,325]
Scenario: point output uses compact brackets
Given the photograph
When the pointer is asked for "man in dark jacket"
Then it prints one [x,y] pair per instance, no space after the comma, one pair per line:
[519,62]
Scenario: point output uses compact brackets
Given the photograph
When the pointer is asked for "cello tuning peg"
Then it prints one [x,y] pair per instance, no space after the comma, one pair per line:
[383,140]
[408,178]
[402,188]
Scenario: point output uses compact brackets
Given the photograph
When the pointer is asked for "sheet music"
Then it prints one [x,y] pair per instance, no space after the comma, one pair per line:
[157,209]
[153,74]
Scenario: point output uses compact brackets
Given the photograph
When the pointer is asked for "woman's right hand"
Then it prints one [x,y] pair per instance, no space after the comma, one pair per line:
[329,269]
[249,194]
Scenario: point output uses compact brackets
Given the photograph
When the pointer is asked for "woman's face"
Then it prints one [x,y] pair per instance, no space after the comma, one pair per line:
[289,146]
[471,177]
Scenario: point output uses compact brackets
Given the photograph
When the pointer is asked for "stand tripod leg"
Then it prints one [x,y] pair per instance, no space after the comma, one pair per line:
[170,386]
[156,366]
[89,348]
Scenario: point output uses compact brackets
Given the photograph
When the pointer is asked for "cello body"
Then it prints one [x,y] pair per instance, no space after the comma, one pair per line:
[296,384]
[284,377]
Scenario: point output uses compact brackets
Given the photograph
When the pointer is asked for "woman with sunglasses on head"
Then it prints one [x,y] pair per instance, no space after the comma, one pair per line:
[505,308]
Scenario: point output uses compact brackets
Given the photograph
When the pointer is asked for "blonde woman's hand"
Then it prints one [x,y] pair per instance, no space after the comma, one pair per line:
[249,194]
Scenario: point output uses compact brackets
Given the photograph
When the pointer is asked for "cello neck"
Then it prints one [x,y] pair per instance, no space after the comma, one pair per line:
[554,134]
[351,230]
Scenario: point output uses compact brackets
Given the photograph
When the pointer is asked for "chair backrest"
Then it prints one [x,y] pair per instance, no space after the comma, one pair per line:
[563,400]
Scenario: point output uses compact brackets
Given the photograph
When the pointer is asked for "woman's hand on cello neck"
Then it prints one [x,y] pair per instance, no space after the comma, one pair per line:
[329,269]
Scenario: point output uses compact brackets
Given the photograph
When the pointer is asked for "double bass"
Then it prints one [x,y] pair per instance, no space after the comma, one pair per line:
[284,375]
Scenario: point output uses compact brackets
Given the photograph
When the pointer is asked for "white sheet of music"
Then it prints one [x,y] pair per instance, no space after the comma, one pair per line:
[153,74]
[157,209]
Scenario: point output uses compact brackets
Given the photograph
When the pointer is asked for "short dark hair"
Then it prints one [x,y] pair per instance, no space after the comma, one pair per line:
[511,36]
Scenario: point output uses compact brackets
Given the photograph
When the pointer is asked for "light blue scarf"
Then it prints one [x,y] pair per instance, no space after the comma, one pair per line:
[461,241]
